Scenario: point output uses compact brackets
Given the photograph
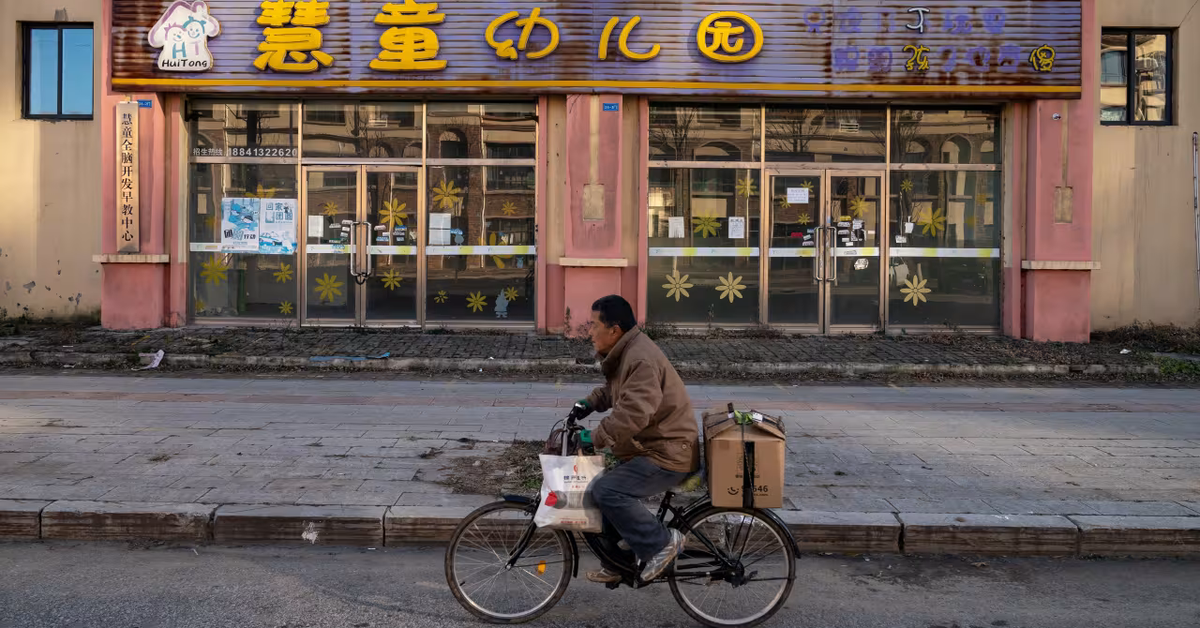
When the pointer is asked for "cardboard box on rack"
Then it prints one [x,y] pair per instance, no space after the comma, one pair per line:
[731,446]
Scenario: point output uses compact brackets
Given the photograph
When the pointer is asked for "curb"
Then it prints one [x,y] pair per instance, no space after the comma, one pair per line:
[376,526]
[847,369]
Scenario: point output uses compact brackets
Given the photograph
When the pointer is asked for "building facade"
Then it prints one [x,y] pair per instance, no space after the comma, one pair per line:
[816,166]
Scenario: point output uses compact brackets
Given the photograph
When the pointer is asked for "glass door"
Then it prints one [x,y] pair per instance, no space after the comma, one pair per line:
[795,294]
[331,199]
[390,215]
[854,279]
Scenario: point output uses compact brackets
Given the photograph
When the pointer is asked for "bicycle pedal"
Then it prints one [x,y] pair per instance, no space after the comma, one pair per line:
[612,585]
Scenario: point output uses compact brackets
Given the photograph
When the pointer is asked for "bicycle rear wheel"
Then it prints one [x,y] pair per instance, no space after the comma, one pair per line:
[753,588]
[477,564]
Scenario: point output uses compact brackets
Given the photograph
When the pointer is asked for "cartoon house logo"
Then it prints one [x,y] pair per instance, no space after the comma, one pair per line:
[183,33]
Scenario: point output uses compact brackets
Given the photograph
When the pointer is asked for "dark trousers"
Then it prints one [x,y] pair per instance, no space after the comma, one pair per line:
[619,492]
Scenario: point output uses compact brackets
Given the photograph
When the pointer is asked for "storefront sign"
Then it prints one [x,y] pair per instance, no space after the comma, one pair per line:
[863,47]
[128,207]
[183,33]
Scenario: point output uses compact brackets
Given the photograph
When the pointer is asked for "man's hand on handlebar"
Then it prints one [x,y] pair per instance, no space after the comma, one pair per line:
[580,411]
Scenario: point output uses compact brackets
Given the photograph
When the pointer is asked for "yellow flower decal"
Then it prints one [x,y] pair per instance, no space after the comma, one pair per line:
[284,274]
[213,271]
[808,185]
[499,259]
[393,213]
[746,187]
[915,291]
[509,209]
[906,185]
[262,192]
[441,297]
[285,308]
[328,287]
[969,222]
[446,194]
[511,294]
[982,198]
[730,288]
[476,302]
[705,226]
[932,221]
[201,306]
[783,201]
[858,207]
[331,209]
[805,219]
[391,280]
[677,286]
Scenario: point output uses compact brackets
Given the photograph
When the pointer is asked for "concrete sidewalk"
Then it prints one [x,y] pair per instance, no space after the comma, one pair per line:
[923,470]
[718,356]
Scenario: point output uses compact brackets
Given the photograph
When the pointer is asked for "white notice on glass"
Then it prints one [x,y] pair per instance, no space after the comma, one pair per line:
[737,228]
[908,227]
[316,226]
[798,196]
[675,227]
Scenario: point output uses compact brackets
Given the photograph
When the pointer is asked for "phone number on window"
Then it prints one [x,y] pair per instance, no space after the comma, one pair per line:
[264,152]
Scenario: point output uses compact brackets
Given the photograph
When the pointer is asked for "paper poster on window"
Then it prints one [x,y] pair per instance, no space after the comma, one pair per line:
[239,224]
[439,229]
[316,226]
[737,228]
[675,227]
[798,196]
[277,226]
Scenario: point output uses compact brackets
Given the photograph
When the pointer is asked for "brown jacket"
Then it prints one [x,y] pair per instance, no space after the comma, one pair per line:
[651,413]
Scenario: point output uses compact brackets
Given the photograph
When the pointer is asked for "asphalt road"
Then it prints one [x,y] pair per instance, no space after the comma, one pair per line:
[84,585]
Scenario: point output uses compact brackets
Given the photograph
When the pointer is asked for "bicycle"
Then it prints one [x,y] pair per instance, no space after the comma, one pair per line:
[500,543]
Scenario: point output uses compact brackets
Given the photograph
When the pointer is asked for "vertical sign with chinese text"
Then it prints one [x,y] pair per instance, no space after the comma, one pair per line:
[128,207]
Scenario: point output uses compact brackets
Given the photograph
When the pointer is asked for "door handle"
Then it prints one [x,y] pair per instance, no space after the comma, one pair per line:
[351,227]
[833,259]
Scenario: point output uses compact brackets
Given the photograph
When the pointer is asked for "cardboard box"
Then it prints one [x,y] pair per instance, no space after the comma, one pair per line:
[731,448]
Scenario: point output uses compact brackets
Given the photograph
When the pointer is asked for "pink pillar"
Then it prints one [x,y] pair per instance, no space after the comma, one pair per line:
[593,264]
[132,295]
[1058,226]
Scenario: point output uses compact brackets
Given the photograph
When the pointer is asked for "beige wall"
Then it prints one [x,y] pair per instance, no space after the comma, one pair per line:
[49,185]
[1145,234]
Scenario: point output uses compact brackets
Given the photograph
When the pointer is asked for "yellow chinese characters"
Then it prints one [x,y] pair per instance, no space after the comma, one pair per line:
[919,61]
[721,41]
[1042,59]
[623,42]
[409,45]
[297,47]
[506,50]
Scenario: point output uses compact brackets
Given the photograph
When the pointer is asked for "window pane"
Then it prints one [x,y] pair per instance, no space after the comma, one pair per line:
[952,292]
[1150,70]
[77,71]
[705,133]
[243,129]
[497,285]
[826,135]
[1114,64]
[239,284]
[481,130]
[715,209]
[368,130]
[43,71]
[945,209]
[953,136]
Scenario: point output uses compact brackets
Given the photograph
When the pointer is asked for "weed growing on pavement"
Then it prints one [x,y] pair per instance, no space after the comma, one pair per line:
[516,469]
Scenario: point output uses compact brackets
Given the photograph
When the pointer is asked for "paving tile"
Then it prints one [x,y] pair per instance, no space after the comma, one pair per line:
[1142,509]
[958,506]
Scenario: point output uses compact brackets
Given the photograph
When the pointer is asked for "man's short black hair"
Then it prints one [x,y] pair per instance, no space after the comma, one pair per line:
[615,310]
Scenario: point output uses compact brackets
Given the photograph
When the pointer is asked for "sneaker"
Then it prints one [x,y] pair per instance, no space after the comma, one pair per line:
[664,558]
[603,576]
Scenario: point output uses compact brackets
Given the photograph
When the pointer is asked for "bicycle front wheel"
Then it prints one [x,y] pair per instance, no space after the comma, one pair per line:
[478,573]
[736,569]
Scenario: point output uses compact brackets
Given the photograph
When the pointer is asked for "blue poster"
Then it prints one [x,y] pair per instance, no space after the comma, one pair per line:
[239,225]
[277,227]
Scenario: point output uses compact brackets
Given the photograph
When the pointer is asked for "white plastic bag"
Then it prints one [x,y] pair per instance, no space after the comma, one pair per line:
[566,502]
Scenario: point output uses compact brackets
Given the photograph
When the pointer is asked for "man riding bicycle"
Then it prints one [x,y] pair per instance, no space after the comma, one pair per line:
[652,430]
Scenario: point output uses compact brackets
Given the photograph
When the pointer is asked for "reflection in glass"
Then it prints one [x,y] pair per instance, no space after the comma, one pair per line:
[955,136]
[77,68]
[482,130]
[704,208]
[247,285]
[1114,80]
[705,133]
[951,292]
[945,209]
[855,203]
[826,135]
[365,130]
[243,129]
[43,71]
[1151,69]
[794,295]
[392,211]
[466,210]
[332,199]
